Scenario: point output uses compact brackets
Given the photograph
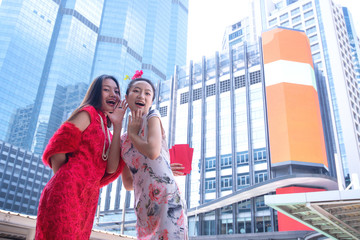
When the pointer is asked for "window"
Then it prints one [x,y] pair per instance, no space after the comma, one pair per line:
[235,34]
[309,22]
[308,14]
[210,163]
[316,56]
[313,39]
[260,176]
[295,11]
[210,185]
[242,158]
[298,27]
[284,17]
[307,6]
[226,161]
[272,22]
[243,180]
[285,24]
[296,19]
[260,155]
[315,47]
[310,30]
[226,183]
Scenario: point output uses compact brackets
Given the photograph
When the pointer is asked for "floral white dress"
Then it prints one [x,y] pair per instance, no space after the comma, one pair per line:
[159,207]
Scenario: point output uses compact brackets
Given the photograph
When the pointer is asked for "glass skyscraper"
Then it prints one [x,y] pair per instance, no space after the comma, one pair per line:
[51,47]
[50,50]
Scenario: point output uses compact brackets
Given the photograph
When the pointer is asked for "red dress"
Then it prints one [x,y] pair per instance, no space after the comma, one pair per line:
[69,200]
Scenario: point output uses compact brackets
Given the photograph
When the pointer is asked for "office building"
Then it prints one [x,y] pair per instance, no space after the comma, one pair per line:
[334,47]
[354,42]
[22,178]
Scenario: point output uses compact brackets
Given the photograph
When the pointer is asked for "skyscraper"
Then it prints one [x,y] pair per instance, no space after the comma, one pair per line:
[334,48]
[49,45]
[50,50]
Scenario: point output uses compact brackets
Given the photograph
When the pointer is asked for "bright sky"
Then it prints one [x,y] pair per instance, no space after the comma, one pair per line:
[209,18]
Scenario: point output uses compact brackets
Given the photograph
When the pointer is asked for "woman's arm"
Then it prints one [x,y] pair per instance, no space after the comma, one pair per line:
[116,118]
[151,146]
[127,178]
[81,121]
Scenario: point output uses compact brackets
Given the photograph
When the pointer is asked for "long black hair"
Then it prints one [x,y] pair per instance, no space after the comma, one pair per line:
[93,96]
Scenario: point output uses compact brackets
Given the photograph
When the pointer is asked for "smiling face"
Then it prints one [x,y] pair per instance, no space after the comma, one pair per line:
[110,94]
[140,96]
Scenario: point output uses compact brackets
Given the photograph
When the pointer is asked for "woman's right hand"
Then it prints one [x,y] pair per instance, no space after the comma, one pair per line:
[176,167]
[135,122]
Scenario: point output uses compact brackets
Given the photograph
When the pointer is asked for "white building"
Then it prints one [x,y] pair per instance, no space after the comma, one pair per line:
[324,23]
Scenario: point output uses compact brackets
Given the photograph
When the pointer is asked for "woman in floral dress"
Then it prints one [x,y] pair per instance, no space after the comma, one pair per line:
[159,207]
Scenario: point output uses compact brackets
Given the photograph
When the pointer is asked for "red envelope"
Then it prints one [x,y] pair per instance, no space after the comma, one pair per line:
[182,153]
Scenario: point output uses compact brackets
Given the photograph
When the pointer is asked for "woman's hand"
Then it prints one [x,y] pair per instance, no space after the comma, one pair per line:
[135,122]
[175,167]
[116,117]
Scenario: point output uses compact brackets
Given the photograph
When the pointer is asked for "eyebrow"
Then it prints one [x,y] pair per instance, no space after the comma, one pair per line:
[105,85]
[147,89]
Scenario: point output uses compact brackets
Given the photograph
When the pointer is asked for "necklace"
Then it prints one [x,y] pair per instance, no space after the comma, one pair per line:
[105,155]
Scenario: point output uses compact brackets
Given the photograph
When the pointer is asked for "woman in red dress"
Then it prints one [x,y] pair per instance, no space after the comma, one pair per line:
[84,157]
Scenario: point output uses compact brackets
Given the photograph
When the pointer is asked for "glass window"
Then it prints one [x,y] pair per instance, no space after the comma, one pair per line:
[226,220]
[296,19]
[284,17]
[298,27]
[260,176]
[285,24]
[309,22]
[313,39]
[210,185]
[210,163]
[272,22]
[226,161]
[308,14]
[307,6]
[209,223]
[295,11]
[242,158]
[226,183]
[316,56]
[311,30]
[243,180]
[315,47]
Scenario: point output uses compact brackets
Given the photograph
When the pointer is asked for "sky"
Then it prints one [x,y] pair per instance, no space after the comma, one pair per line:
[209,18]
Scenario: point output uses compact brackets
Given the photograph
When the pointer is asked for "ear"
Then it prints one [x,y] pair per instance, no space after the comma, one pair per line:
[126,97]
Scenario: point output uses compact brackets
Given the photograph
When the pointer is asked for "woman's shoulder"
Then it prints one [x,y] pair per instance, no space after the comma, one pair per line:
[153,113]
[90,110]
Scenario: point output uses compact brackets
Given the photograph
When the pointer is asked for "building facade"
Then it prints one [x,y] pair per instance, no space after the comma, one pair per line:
[50,51]
[49,46]
[333,45]
[354,42]
[256,120]
[22,178]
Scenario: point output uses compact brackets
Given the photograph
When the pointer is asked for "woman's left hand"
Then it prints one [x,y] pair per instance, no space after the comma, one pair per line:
[117,116]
